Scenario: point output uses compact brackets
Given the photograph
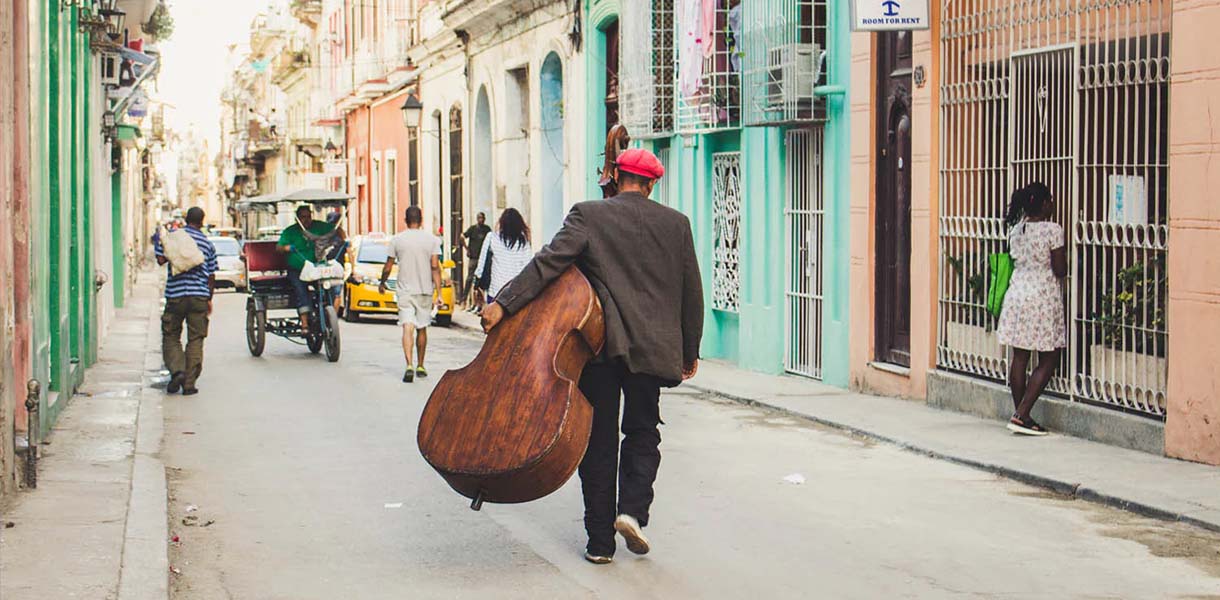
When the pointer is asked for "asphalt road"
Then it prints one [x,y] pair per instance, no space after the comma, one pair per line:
[306,483]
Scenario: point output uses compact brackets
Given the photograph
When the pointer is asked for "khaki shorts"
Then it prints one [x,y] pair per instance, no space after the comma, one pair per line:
[415,309]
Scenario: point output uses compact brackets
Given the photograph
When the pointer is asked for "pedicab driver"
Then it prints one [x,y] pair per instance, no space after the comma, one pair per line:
[299,249]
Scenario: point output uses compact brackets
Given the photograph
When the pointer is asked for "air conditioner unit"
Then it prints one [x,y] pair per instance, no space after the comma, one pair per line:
[792,72]
[110,68]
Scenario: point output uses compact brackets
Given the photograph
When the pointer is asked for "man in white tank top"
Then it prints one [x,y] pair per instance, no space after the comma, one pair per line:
[417,254]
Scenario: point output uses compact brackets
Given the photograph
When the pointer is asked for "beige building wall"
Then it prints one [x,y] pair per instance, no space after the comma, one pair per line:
[1192,429]
[865,374]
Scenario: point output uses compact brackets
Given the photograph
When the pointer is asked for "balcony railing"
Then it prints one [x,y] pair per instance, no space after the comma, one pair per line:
[287,63]
[709,70]
[784,43]
[308,12]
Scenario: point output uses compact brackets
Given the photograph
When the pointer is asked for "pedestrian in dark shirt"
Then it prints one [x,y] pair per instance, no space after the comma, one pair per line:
[473,240]
[640,258]
[188,297]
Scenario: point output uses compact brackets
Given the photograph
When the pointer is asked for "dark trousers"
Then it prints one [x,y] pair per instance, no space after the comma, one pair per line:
[194,311]
[300,291]
[636,469]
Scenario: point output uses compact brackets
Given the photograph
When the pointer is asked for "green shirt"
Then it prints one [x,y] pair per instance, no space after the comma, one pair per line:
[302,248]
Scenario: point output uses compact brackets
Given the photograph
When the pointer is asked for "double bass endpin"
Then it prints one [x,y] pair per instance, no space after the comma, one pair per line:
[477,503]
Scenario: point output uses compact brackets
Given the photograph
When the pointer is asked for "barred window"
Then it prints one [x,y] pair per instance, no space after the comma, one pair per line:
[646,68]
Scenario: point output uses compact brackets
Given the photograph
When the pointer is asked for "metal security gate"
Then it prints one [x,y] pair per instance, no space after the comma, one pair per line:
[803,219]
[1042,135]
[1072,93]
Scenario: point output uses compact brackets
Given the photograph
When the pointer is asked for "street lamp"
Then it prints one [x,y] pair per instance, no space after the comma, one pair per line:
[412,111]
[110,10]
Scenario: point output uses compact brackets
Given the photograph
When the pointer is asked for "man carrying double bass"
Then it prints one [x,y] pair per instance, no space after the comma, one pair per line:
[640,258]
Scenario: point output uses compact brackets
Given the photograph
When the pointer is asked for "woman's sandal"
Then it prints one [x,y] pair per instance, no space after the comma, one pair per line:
[1025,426]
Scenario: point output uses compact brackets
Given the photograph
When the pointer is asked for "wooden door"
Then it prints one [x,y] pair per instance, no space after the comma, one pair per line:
[892,317]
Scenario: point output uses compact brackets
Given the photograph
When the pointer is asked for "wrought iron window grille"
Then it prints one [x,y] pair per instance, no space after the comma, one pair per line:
[647,68]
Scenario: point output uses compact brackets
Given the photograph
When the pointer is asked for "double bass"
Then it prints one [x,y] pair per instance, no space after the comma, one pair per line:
[512,426]
[617,140]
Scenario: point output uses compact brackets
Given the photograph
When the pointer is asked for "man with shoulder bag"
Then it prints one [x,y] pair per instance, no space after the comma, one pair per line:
[191,261]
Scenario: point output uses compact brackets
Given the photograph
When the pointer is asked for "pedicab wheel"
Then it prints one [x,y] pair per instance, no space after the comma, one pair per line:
[332,334]
[314,342]
[444,320]
[256,331]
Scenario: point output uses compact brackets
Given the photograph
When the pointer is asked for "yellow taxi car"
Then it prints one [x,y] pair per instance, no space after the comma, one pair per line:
[365,260]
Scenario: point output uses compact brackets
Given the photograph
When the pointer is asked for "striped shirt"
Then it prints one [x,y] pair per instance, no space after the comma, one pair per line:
[193,283]
[506,263]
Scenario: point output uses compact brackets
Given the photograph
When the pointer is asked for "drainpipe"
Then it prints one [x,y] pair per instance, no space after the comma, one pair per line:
[33,391]
[368,167]
[471,109]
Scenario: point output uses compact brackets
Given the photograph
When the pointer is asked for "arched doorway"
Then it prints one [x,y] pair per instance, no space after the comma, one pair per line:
[553,161]
[481,192]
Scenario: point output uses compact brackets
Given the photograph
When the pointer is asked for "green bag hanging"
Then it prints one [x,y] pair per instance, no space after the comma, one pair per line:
[1000,273]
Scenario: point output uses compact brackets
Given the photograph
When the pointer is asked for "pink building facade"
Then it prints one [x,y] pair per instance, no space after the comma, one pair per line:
[1192,429]
[1111,105]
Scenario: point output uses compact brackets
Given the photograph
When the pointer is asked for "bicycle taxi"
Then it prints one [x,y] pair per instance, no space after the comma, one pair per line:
[270,290]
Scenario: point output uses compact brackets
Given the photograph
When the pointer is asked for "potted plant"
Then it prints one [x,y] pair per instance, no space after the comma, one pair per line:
[160,24]
[1127,353]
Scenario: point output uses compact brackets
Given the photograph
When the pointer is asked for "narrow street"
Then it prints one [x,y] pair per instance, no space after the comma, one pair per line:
[307,484]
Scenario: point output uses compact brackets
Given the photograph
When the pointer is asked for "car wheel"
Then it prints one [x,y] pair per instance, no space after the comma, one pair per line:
[349,315]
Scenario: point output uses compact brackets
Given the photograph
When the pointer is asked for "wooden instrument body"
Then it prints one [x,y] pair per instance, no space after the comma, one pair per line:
[512,426]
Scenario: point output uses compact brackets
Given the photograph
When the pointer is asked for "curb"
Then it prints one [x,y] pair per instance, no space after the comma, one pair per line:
[144,571]
[1059,486]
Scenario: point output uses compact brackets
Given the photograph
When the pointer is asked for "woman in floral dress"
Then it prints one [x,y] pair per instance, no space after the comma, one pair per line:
[1032,319]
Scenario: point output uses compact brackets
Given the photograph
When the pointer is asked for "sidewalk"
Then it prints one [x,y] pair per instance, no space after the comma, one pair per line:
[1127,479]
[96,525]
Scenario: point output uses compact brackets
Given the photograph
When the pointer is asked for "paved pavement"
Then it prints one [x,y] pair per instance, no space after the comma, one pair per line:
[300,479]
[1145,483]
[95,527]
[293,478]
[1137,481]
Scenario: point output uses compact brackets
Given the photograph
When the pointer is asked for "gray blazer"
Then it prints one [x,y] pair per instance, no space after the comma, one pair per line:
[640,258]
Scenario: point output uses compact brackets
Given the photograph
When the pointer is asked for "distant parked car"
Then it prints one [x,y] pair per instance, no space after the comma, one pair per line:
[229,232]
[231,272]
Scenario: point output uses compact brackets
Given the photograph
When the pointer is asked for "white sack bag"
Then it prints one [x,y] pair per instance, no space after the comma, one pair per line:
[181,251]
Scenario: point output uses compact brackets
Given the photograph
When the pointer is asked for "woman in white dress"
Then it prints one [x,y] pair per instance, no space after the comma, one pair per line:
[1032,319]
[509,250]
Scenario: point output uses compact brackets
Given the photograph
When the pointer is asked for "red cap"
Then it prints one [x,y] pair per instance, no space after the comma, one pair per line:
[640,162]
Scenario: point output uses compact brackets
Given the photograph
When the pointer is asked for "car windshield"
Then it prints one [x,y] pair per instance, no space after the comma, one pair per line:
[375,253]
[226,246]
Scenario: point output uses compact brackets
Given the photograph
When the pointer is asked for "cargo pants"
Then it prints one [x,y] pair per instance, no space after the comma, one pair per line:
[194,311]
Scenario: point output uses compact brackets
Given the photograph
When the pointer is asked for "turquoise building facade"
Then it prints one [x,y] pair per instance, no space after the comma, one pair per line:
[756,154]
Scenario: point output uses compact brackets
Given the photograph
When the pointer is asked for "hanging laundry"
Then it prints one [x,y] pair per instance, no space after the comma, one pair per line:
[690,48]
[708,30]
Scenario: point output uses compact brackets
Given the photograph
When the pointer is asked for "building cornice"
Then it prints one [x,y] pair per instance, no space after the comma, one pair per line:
[481,17]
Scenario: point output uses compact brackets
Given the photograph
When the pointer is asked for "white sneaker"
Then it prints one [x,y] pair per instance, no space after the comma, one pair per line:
[631,531]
